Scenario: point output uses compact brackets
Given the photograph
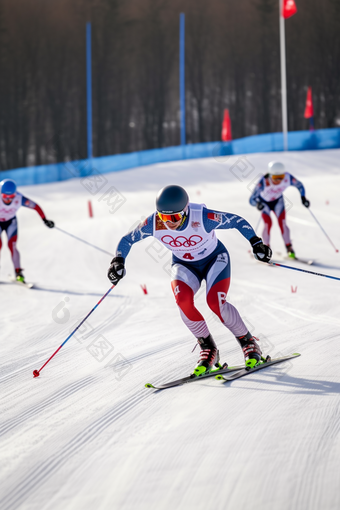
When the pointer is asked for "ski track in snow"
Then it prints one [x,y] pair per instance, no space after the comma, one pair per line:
[86,436]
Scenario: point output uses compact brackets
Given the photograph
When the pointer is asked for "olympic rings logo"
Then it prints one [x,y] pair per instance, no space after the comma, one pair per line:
[180,241]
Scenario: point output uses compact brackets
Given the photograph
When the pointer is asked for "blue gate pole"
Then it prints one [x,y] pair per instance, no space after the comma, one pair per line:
[89,90]
[182,74]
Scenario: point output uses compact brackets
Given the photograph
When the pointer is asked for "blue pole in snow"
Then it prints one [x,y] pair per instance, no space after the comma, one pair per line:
[182,73]
[89,90]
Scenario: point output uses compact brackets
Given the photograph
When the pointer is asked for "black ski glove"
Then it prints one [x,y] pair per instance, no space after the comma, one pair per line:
[116,270]
[305,202]
[260,205]
[48,223]
[261,251]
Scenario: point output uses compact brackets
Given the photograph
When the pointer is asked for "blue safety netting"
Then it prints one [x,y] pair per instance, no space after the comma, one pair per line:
[297,140]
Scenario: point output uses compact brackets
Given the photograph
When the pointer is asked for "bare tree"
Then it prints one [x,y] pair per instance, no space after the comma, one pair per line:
[232,61]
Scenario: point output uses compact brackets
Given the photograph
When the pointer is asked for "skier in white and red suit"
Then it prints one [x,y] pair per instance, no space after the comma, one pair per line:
[268,196]
[188,230]
[10,201]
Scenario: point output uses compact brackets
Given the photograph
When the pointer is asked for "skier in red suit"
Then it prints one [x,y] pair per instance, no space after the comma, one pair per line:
[188,231]
[268,197]
[10,201]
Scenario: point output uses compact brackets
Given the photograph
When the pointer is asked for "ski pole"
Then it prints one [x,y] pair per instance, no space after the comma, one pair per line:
[36,373]
[303,270]
[83,241]
[323,230]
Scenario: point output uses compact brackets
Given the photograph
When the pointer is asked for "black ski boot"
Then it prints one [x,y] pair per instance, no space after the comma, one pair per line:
[209,355]
[19,275]
[251,349]
[290,251]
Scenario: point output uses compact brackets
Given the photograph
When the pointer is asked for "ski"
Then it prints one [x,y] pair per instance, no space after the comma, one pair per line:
[309,262]
[193,378]
[263,364]
[28,285]
[303,261]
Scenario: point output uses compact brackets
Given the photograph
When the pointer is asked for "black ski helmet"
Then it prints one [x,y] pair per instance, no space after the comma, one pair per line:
[171,199]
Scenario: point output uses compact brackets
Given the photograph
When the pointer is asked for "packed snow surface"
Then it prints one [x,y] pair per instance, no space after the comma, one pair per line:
[87,434]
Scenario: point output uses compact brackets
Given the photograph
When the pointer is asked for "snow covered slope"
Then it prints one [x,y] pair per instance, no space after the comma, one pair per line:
[87,435]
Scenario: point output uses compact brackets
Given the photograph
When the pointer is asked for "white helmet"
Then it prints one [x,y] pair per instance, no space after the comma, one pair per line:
[276,168]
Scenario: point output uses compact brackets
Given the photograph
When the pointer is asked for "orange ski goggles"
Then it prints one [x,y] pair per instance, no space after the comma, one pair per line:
[171,217]
[278,177]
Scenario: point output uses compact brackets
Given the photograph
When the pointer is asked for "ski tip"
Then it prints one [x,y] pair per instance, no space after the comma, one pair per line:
[28,285]
[149,385]
[296,354]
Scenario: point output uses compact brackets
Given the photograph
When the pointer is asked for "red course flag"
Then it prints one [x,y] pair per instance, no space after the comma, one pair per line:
[226,127]
[309,110]
[288,8]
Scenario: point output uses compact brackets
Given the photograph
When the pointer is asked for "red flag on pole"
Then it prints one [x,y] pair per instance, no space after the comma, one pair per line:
[288,8]
[226,127]
[309,110]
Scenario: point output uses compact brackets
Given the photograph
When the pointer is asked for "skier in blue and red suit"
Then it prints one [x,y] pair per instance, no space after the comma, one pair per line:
[268,196]
[10,201]
[188,230]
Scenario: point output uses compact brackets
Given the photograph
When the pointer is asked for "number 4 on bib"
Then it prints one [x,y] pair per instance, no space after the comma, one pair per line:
[188,256]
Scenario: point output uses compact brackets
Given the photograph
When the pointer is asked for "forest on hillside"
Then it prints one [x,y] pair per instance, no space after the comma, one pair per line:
[232,61]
